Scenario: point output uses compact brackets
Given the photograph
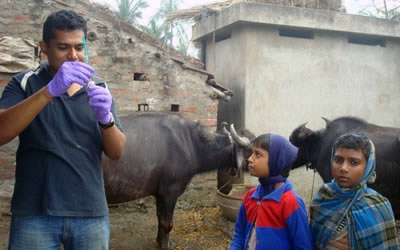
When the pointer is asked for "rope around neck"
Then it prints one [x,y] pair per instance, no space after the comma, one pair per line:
[312,194]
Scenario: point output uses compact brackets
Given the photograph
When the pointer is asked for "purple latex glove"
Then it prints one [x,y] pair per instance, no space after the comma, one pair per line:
[100,101]
[68,73]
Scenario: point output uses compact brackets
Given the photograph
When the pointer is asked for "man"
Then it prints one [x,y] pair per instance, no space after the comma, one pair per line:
[63,125]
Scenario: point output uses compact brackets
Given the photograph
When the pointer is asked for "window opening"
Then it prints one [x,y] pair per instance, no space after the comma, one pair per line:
[145,107]
[175,107]
[137,76]
[297,33]
[221,37]
[367,40]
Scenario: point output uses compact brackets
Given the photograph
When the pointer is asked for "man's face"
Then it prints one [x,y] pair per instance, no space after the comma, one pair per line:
[258,162]
[66,46]
[348,167]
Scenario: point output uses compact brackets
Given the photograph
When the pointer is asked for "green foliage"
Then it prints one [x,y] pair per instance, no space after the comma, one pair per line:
[153,29]
[130,11]
[171,33]
[183,46]
[168,28]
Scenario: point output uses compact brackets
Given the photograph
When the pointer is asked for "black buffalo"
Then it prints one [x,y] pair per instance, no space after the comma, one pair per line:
[315,152]
[162,154]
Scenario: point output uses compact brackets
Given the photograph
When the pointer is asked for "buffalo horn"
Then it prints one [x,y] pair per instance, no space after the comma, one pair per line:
[242,141]
[221,94]
[223,125]
[326,120]
[303,125]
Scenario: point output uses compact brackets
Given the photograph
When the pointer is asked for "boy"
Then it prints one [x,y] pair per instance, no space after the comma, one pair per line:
[272,215]
[345,213]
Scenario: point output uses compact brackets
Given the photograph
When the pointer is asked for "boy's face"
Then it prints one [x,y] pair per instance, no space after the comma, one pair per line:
[348,167]
[66,46]
[258,162]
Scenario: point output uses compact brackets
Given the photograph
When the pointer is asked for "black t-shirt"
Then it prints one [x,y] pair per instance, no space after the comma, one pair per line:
[58,162]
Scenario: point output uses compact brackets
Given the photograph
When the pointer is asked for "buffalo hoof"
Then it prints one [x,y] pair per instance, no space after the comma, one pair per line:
[167,246]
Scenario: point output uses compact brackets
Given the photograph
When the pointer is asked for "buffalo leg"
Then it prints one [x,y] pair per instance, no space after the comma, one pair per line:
[165,211]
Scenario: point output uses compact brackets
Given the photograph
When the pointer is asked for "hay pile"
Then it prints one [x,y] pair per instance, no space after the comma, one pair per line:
[204,225]
[198,12]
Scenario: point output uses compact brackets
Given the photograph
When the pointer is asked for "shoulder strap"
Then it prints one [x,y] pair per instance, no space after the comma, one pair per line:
[27,75]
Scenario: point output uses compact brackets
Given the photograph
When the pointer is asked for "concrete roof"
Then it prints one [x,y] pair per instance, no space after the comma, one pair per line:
[257,13]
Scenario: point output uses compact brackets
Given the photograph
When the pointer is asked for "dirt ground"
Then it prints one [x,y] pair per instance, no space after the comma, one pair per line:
[198,221]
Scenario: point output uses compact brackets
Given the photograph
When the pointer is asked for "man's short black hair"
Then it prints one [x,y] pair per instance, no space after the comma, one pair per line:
[65,20]
[356,141]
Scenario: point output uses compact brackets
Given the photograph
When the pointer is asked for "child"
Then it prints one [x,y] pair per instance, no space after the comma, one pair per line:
[272,215]
[346,214]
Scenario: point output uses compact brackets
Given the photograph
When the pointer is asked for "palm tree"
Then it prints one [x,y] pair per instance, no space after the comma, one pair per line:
[169,29]
[183,46]
[130,10]
[153,29]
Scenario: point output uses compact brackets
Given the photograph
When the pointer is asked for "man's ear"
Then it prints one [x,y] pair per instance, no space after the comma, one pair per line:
[43,47]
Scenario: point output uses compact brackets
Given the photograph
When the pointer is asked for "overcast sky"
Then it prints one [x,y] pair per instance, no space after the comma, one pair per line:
[352,6]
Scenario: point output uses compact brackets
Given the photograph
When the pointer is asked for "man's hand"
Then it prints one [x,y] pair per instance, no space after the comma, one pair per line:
[100,101]
[68,73]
